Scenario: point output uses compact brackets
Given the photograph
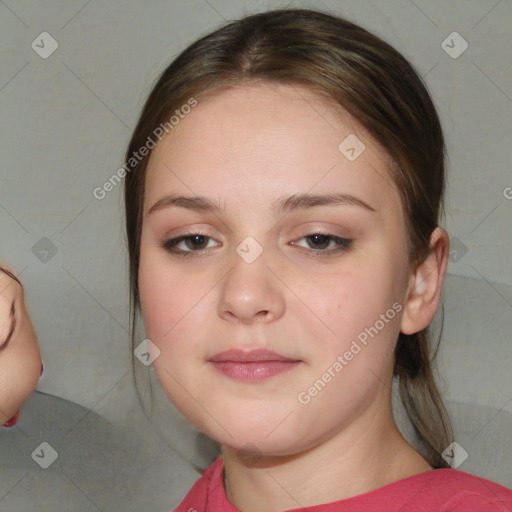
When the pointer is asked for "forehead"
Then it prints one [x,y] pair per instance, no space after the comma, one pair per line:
[252,141]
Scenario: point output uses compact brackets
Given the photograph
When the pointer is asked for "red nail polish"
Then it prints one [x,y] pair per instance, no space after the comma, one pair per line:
[13,420]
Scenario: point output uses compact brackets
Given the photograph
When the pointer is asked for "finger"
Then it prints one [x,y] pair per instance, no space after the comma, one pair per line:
[8,336]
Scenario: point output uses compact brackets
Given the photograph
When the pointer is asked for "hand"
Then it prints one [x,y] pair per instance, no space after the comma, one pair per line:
[20,361]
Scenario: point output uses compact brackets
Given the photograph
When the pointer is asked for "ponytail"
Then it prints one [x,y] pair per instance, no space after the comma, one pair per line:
[420,395]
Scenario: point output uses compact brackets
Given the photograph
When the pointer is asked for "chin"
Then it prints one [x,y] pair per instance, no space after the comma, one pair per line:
[270,436]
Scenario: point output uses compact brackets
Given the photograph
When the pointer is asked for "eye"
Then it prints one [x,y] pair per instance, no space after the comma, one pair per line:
[187,244]
[321,243]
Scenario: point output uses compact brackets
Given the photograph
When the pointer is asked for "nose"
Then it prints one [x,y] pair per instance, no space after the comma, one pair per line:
[250,293]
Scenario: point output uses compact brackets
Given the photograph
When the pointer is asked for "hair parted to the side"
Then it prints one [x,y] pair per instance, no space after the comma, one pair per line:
[351,68]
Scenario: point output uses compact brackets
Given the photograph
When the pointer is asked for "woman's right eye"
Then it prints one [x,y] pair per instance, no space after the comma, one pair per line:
[188,244]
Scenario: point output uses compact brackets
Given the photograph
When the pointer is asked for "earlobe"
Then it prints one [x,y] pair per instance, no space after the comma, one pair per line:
[425,284]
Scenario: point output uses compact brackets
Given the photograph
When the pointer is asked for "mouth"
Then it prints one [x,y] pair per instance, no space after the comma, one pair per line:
[253,365]
[249,356]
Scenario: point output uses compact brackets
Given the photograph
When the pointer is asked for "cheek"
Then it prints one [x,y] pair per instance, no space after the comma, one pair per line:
[173,303]
[362,307]
[350,302]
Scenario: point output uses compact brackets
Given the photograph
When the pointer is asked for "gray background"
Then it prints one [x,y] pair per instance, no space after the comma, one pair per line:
[66,120]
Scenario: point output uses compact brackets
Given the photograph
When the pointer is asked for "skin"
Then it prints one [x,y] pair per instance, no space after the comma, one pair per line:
[243,148]
[20,361]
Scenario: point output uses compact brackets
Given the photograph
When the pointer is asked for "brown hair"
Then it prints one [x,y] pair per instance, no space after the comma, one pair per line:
[374,83]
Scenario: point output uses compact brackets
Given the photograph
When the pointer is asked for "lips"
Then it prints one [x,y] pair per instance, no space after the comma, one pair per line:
[249,356]
[253,365]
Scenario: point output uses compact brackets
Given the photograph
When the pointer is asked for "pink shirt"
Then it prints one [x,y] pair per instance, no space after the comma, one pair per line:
[440,490]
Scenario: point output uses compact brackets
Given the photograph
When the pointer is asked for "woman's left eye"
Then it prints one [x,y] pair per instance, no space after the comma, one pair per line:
[322,243]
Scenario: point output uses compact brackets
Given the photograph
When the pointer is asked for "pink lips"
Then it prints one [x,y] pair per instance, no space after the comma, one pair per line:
[253,365]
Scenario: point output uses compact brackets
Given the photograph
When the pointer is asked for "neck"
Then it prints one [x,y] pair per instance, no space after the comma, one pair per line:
[346,464]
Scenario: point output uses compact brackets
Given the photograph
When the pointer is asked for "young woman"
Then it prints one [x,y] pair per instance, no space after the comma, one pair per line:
[283,193]
[20,361]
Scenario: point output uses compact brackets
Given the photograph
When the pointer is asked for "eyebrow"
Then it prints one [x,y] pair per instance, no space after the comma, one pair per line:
[281,205]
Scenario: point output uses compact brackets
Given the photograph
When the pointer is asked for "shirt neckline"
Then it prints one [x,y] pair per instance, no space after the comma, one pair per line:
[362,496]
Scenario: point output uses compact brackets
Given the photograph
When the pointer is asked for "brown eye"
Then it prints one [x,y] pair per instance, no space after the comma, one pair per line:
[196,242]
[321,243]
[188,244]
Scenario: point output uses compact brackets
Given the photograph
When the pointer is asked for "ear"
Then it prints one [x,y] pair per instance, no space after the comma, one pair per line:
[425,285]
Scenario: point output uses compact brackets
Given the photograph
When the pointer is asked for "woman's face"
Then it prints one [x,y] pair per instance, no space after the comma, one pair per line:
[20,362]
[299,249]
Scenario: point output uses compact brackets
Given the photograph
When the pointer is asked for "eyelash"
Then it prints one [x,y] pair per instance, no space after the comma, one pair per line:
[343,244]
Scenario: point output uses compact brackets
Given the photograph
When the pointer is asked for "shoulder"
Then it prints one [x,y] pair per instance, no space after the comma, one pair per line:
[454,479]
[474,493]
[438,490]
[451,490]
